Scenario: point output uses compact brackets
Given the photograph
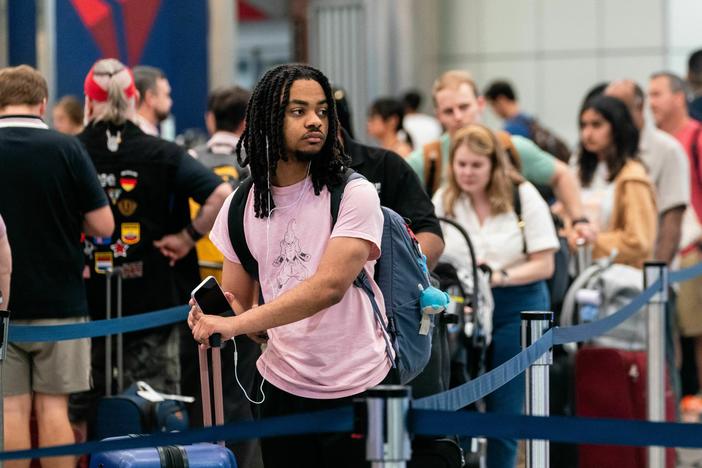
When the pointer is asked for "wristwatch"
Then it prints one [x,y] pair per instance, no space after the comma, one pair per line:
[194,235]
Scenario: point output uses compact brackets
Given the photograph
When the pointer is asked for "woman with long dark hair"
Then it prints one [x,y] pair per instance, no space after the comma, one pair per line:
[617,193]
[481,194]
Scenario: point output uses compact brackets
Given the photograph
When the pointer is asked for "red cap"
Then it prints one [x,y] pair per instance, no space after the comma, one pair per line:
[94,91]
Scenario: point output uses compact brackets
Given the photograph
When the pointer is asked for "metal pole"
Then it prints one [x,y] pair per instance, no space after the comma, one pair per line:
[387,441]
[120,336]
[108,338]
[583,258]
[534,325]
[655,337]
[5,324]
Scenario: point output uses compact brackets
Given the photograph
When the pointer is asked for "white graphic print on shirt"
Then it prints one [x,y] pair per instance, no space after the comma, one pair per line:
[291,259]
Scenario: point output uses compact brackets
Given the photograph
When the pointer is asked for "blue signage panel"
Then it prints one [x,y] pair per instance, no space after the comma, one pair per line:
[168,34]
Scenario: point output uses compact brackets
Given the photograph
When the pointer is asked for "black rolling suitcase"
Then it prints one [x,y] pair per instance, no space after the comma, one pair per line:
[128,412]
[190,456]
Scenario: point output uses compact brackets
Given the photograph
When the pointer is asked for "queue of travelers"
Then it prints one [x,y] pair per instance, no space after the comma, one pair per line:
[116,195]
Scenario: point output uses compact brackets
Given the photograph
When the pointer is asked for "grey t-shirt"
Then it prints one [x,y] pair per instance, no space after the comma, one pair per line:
[668,167]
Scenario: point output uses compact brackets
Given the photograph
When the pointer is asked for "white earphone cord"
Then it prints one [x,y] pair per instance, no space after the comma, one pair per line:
[236,376]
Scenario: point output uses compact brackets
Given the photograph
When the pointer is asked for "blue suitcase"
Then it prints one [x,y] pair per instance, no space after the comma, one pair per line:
[171,456]
[181,456]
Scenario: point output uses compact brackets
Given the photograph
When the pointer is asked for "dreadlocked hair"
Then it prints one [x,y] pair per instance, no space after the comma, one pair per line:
[262,143]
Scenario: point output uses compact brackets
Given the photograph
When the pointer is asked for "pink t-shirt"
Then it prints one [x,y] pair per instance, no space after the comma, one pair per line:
[339,351]
[685,137]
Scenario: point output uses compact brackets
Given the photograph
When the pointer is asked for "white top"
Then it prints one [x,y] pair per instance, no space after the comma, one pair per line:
[422,129]
[499,242]
[598,198]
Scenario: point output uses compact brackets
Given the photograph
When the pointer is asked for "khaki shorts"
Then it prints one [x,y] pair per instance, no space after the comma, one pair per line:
[690,298]
[58,367]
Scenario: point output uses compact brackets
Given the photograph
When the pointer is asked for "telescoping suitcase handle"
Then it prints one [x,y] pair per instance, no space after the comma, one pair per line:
[583,258]
[109,274]
[216,345]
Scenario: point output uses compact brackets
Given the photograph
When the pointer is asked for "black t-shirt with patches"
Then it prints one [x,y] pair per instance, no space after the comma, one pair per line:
[48,184]
[148,181]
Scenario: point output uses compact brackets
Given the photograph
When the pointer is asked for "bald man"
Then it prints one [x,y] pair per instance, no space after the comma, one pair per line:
[667,166]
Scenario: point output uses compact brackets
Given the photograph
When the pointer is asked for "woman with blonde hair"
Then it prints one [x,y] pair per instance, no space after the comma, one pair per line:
[481,192]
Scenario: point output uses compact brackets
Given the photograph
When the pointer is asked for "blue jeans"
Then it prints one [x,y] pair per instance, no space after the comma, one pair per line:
[506,342]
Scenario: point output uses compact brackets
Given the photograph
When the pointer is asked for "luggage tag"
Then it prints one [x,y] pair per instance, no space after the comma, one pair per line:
[148,393]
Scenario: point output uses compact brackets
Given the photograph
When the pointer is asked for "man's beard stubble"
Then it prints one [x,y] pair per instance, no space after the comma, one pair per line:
[161,116]
[304,156]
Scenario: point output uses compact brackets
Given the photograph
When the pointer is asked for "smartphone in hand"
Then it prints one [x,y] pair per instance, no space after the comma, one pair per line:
[210,298]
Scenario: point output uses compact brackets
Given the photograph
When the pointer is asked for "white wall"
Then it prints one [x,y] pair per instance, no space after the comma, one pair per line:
[555,50]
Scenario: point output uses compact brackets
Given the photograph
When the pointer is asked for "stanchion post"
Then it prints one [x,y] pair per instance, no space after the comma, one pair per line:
[387,439]
[655,337]
[108,338]
[534,325]
[120,337]
[4,333]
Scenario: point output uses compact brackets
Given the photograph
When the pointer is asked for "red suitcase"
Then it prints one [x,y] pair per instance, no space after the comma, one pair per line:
[611,383]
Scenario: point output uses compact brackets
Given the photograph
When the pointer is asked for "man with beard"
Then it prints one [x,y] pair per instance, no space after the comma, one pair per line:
[325,346]
[154,98]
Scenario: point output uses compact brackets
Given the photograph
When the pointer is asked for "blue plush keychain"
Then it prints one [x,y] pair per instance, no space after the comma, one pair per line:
[431,300]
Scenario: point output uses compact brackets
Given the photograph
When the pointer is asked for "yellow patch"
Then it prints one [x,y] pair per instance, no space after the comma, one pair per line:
[103,262]
[131,233]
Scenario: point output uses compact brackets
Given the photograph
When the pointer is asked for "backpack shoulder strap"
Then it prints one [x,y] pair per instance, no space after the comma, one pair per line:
[236,228]
[517,203]
[505,140]
[337,192]
[431,152]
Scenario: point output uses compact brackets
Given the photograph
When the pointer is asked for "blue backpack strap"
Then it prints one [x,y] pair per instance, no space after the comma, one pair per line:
[361,280]
[236,228]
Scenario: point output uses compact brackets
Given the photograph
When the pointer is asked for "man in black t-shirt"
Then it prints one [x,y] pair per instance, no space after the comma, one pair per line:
[400,190]
[148,181]
[49,194]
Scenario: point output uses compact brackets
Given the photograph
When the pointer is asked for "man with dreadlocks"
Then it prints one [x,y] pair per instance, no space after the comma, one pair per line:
[325,346]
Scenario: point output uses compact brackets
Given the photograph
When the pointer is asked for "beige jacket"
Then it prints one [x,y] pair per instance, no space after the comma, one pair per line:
[632,225]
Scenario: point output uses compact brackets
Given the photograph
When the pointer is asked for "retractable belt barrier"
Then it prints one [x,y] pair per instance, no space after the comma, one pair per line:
[421,422]
[432,415]
[94,329]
